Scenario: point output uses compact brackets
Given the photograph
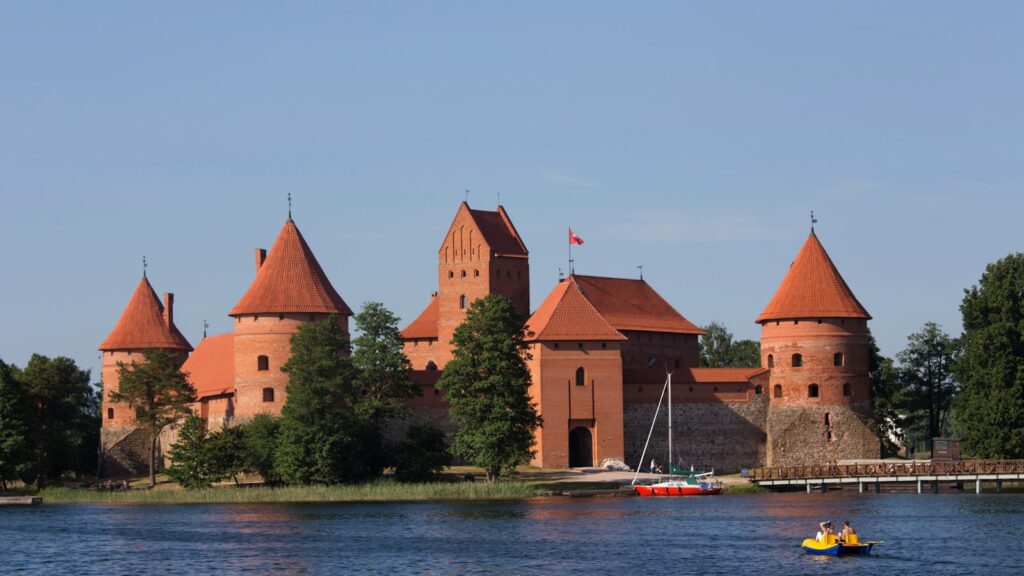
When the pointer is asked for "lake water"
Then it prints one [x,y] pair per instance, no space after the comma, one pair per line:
[742,534]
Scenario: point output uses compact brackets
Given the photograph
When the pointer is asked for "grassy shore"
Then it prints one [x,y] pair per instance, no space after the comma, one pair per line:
[381,491]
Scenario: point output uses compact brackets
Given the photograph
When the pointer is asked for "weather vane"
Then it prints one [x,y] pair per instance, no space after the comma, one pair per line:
[813,221]
[205,326]
[640,267]
[467,196]
[143,266]
[289,205]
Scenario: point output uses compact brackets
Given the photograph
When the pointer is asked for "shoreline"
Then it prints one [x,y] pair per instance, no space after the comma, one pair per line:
[524,484]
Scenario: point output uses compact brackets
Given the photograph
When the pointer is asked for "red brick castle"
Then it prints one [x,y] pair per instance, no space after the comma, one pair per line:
[600,349]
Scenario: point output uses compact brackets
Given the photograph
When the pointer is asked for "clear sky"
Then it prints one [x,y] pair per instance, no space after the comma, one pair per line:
[692,139]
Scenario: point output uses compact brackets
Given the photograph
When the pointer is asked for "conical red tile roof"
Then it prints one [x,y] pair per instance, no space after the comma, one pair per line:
[290,280]
[567,315]
[813,288]
[142,325]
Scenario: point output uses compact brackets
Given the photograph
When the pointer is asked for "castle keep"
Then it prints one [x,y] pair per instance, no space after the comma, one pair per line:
[600,351]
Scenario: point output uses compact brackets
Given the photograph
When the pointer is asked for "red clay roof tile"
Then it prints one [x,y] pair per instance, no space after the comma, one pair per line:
[498,232]
[425,325]
[567,315]
[813,288]
[291,280]
[632,305]
[211,368]
[142,325]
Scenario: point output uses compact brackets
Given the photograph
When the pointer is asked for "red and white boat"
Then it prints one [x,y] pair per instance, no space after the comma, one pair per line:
[680,482]
[698,484]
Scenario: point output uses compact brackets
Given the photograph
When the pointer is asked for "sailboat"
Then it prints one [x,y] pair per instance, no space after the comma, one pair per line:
[680,482]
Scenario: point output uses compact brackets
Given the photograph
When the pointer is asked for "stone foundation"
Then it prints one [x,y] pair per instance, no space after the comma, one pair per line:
[809,435]
[726,437]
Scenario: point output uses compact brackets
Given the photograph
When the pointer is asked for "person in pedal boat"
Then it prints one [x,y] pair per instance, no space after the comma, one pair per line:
[848,532]
[825,532]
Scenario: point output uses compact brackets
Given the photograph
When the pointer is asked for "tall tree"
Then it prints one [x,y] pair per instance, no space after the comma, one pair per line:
[324,438]
[64,416]
[926,370]
[191,460]
[15,444]
[160,394]
[487,386]
[990,407]
[718,350]
[887,399]
[383,371]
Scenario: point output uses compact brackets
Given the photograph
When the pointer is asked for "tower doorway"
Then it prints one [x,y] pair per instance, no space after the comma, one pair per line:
[581,448]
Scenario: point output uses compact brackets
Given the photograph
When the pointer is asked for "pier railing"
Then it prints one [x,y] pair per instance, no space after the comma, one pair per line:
[889,469]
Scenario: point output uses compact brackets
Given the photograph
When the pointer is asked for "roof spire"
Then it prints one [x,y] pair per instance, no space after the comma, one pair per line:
[143,266]
[813,221]
[467,196]
[640,267]
[499,199]
[205,326]
[289,206]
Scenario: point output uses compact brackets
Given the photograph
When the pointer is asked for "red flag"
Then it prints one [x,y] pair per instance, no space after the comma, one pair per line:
[574,239]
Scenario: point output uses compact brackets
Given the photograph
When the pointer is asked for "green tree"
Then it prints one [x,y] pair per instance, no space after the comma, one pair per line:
[15,444]
[192,462]
[421,455]
[383,371]
[990,407]
[64,421]
[324,438]
[227,453]
[887,399]
[160,394]
[487,387]
[928,386]
[718,350]
[259,443]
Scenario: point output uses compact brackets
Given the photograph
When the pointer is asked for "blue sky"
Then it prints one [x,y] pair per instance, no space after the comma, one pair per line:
[693,139]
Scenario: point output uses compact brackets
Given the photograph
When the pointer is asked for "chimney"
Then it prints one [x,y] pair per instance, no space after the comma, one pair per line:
[261,255]
[168,309]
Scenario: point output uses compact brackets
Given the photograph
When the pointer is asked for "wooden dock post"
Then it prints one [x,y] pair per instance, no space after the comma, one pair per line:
[977,486]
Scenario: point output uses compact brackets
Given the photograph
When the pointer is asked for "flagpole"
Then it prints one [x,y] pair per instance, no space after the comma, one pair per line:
[572,269]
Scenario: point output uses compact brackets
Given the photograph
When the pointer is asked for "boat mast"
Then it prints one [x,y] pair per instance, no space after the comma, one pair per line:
[670,424]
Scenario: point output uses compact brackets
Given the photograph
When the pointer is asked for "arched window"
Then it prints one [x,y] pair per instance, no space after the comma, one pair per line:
[476,273]
[262,363]
[771,361]
[758,390]
[431,367]
[798,360]
[268,394]
[463,273]
[812,391]
[846,389]
[837,359]
[497,273]
[581,376]
[777,391]
[462,302]
[110,413]
[508,274]
[451,274]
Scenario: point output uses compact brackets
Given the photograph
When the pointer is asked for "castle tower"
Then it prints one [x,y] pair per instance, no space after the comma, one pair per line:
[481,254]
[814,341]
[576,370]
[290,289]
[145,324]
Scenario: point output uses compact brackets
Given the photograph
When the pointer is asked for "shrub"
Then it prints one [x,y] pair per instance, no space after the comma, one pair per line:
[421,455]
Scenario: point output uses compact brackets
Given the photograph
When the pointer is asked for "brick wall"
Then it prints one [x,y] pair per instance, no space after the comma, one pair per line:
[818,434]
[265,335]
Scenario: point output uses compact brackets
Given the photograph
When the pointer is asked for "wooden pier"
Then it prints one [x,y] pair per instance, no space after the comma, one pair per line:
[873,476]
[20,500]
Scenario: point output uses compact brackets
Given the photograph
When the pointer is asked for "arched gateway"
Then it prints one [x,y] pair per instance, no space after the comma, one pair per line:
[581,448]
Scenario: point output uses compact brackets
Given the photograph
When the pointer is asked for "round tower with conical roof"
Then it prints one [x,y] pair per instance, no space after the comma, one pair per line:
[145,324]
[814,341]
[289,290]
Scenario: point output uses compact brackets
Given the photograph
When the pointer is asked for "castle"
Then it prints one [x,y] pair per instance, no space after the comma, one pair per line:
[600,349]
